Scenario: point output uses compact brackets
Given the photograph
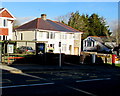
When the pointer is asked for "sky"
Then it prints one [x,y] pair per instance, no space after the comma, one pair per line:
[60,0]
[25,11]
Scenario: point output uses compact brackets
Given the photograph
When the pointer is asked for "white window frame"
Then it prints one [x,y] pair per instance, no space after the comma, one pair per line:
[50,35]
[1,22]
[64,47]
[5,22]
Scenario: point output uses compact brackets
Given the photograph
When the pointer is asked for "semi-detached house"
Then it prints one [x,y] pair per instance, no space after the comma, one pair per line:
[6,24]
[51,32]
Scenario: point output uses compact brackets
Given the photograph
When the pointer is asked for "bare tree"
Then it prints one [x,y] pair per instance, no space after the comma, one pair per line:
[64,18]
[116,32]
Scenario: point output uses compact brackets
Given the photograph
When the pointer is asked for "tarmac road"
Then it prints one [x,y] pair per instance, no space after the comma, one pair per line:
[72,82]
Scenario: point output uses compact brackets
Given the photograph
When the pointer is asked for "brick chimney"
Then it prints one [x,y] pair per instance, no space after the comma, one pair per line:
[43,16]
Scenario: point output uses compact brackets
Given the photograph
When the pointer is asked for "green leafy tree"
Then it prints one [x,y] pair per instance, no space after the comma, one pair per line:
[91,25]
[97,26]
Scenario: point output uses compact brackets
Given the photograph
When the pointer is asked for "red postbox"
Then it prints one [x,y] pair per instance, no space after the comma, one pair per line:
[113,59]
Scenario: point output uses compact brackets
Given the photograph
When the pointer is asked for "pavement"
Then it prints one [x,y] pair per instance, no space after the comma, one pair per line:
[17,68]
[10,69]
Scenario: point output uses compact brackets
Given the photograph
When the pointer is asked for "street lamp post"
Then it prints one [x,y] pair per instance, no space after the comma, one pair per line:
[0,53]
[60,54]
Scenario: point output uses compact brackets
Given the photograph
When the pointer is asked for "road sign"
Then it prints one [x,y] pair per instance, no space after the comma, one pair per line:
[10,48]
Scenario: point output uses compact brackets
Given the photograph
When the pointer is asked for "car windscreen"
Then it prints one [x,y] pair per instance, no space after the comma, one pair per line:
[29,48]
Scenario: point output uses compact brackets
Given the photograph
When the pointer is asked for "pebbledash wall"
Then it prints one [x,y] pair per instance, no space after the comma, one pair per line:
[69,41]
[51,32]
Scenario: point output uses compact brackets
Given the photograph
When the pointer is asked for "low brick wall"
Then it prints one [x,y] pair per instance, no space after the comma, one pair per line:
[100,58]
[72,59]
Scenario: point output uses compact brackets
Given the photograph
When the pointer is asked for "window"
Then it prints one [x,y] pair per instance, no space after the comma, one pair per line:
[50,35]
[64,47]
[0,22]
[41,34]
[85,43]
[70,36]
[3,37]
[89,43]
[52,45]
[21,36]
[64,36]
[0,38]
[93,44]
[47,35]
[4,22]
[77,36]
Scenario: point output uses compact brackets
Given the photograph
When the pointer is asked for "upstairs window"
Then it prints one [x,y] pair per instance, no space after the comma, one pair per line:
[63,36]
[0,22]
[21,36]
[50,35]
[5,23]
[88,43]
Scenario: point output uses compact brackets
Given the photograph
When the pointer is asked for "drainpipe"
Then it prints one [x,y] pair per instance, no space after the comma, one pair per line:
[36,35]
[16,34]
[80,44]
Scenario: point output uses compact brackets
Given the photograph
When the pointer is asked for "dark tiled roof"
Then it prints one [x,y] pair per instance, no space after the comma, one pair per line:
[97,38]
[46,25]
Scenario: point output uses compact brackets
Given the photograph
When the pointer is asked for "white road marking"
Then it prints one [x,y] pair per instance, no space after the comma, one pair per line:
[93,80]
[5,81]
[85,92]
[33,76]
[27,85]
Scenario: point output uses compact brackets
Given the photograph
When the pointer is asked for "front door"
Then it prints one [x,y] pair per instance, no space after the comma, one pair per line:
[76,51]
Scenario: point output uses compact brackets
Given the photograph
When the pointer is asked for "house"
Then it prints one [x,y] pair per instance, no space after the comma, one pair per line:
[96,44]
[57,36]
[6,24]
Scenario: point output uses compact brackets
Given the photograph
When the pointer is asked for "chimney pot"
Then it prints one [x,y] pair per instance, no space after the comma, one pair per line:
[43,16]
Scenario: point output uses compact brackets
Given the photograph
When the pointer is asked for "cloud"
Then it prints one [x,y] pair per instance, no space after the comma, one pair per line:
[113,24]
[60,1]
[22,20]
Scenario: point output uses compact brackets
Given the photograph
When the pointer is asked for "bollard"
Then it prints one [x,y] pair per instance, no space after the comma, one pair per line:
[93,58]
[113,59]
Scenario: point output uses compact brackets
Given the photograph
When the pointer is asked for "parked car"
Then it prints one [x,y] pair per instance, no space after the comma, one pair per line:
[25,49]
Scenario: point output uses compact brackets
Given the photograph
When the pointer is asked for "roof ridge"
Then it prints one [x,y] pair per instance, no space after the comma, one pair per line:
[60,24]
[68,27]
[49,23]
[1,9]
[25,23]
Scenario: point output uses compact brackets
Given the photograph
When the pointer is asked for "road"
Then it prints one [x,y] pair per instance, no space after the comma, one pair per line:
[72,82]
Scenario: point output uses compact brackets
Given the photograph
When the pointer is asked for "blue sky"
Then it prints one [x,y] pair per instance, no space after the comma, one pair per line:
[109,10]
